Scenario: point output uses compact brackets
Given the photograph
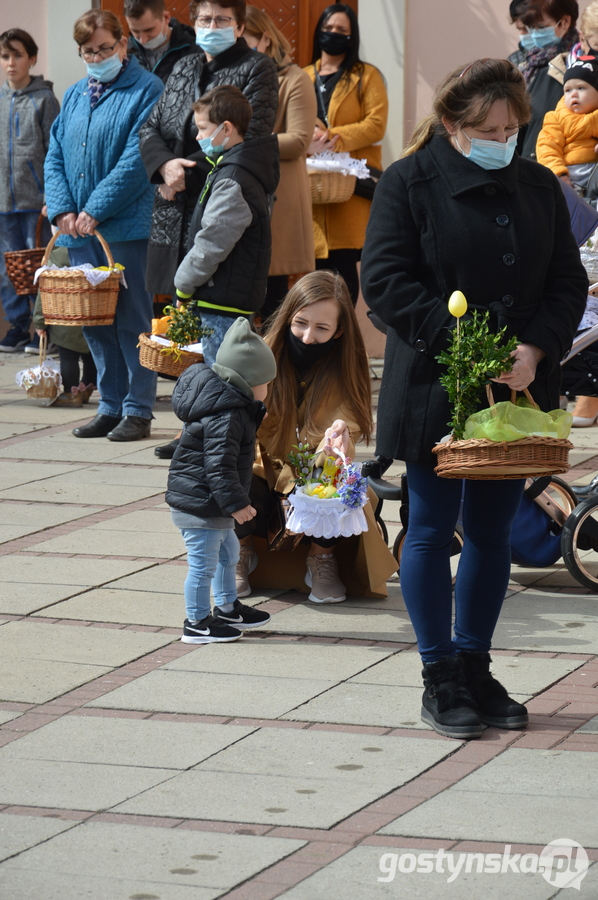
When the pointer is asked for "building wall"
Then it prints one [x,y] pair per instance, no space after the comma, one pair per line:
[31,16]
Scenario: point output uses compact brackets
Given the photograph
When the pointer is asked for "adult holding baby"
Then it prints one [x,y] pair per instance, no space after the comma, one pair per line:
[95,179]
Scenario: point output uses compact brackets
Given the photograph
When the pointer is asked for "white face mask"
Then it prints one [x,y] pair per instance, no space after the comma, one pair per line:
[490,154]
[155,42]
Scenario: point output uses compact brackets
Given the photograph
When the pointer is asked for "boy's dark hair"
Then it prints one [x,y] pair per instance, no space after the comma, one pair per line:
[226,103]
[134,9]
[239,8]
[17,34]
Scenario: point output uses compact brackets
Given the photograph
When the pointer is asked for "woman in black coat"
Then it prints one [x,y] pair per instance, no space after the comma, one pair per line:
[461,211]
[168,141]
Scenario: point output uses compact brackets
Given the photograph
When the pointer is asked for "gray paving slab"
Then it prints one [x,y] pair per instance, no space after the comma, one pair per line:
[355,875]
[143,521]
[22,568]
[213,694]
[545,620]
[101,861]
[163,579]
[57,448]
[303,778]
[7,716]
[55,491]
[78,644]
[18,833]
[114,473]
[13,430]
[125,742]
[24,680]
[364,704]
[523,675]
[521,796]
[127,607]
[115,543]
[23,472]
[69,785]
[281,659]
[590,727]
[23,599]
[338,620]
[37,517]
[393,601]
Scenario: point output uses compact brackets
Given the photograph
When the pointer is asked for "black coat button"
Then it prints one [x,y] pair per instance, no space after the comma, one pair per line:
[507,300]
[490,190]
[508,259]
[420,346]
[502,220]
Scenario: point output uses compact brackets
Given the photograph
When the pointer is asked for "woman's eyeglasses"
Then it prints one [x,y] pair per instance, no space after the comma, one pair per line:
[219,21]
[103,52]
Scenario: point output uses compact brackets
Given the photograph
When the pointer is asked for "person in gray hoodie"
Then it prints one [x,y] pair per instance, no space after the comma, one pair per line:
[28,107]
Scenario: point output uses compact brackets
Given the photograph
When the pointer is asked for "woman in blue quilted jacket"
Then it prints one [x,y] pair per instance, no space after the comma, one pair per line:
[95,179]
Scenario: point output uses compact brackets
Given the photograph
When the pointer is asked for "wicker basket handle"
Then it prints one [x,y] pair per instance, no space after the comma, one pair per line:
[96,233]
[43,345]
[525,391]
[38,232]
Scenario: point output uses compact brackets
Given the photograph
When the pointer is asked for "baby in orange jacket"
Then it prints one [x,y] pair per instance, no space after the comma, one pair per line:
[568,141]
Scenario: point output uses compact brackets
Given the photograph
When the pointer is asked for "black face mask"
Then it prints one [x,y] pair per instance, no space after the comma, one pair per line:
[304,356]
[333,43]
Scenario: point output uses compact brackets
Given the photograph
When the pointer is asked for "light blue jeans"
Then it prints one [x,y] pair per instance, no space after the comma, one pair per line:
[211,344]
[17,232]
[212,556]
[125,386]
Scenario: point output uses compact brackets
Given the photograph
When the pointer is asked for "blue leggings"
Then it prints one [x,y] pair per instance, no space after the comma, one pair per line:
[489,508]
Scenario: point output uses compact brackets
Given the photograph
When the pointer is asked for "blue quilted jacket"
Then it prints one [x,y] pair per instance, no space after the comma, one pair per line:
[93,162]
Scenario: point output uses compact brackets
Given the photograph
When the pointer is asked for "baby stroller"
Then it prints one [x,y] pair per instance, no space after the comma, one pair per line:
[553,520]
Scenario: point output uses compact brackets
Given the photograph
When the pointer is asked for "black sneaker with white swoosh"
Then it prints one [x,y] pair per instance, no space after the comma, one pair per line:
[242,616]
[208,631]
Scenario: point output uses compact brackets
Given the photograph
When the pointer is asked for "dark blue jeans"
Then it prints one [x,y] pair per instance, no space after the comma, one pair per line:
[125,386]
[489,508]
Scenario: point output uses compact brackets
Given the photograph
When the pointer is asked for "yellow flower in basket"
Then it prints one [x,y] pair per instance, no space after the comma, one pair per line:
[322,491]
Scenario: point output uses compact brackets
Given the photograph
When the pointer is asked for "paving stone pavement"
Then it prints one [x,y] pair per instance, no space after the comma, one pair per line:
[292,764]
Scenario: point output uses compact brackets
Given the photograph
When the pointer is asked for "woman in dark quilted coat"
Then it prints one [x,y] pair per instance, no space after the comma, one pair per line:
[169,138]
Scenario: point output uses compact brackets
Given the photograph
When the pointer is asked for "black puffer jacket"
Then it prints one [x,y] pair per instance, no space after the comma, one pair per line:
[182,43]
[210,473]
[170,133]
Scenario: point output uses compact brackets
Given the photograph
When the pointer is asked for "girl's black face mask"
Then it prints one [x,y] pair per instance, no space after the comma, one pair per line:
[304,356]
[333,43]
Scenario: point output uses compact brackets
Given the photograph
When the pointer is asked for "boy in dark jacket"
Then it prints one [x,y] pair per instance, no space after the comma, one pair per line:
[210,475]
[228,251]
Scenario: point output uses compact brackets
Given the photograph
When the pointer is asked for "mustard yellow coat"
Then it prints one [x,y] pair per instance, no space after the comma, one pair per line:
[567,139]
[364,561]
[359,118]
[292,233]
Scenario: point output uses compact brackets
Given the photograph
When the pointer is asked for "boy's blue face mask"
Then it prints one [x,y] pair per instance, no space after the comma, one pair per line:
[538,38]
[208,147]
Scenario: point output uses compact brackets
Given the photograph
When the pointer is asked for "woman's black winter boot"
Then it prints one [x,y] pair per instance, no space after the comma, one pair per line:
[492,701]
[447,705]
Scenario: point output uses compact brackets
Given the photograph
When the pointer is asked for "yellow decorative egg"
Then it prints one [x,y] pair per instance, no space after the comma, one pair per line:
[119,266]
[457,304]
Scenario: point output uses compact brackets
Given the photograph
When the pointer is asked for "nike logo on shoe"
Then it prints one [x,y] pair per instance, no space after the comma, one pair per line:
[198,630]
[231,618]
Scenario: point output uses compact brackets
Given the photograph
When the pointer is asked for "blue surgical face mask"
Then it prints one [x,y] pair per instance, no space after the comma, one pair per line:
[215,40]
[206,145]
[538,38]
[490,154]
[105,69]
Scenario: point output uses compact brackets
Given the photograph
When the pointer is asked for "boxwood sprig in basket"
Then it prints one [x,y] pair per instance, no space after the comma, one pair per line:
[474,356]
[185,327]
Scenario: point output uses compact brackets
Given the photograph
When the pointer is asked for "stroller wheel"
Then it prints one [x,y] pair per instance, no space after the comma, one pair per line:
[456,547]
[579,543]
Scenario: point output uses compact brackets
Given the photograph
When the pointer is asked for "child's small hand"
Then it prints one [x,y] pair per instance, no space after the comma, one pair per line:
[244,515]
[40,332]
[566,179]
